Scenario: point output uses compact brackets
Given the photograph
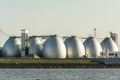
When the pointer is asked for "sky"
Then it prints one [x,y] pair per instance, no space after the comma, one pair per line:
[64,17]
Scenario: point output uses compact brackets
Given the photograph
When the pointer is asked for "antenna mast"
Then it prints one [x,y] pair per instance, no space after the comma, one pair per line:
[94,34]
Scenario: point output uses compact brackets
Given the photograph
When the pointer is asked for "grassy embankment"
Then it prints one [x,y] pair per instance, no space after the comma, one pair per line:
[11,61]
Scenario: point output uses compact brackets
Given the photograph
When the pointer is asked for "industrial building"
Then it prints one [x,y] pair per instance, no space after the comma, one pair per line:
[92,48]
[54,48]
[35,46]
[12,48]
[60,47]
[74,47]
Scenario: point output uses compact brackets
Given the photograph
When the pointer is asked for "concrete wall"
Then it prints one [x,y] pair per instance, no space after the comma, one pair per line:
[107,60]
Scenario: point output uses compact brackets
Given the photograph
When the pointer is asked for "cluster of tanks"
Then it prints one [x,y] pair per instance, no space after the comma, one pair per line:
[56,47]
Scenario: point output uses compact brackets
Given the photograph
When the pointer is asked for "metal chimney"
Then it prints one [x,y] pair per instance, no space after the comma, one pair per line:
[24,42]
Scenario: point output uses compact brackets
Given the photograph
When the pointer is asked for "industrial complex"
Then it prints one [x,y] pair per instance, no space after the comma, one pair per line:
[61,47]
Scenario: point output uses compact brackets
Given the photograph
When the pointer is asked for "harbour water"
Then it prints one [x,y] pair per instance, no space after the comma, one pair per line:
[59,74]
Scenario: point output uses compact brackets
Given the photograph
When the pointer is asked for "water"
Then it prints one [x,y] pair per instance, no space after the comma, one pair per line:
[59,74]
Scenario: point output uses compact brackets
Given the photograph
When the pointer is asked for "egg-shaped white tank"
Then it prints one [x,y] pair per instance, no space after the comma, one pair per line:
[74,47]
[54,48]
[36,46]
[92,47]
[109,44]
[12,48]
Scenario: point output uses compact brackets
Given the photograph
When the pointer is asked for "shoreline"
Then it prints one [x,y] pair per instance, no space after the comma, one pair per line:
[59,63]
[61,66]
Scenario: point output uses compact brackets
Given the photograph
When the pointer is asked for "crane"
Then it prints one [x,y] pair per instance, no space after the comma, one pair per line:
[3,34]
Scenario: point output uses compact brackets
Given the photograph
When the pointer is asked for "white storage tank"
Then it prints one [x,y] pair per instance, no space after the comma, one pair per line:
[74,47]
[109,44]
[54,48]
[12,48]
[36,46]
[92,47]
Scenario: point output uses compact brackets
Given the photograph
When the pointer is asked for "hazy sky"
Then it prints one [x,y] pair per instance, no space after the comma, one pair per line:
[60,16]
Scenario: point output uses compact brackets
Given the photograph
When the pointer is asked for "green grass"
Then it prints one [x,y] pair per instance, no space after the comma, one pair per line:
[49,61]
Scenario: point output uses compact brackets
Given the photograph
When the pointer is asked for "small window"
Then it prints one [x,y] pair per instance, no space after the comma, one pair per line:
[115,54]
[111,54]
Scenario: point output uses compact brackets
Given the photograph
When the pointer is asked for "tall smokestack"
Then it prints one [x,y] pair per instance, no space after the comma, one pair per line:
[24,42]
